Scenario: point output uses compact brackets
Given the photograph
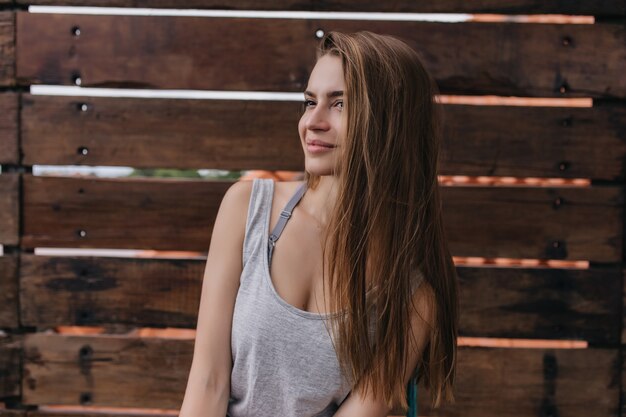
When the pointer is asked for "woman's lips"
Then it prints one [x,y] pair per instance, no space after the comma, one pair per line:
[317,146]
[316,142]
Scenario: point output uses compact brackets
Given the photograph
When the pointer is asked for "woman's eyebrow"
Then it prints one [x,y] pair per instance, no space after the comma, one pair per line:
[337,93]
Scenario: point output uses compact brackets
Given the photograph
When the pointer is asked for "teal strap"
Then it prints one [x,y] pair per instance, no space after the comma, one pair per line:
[411,393]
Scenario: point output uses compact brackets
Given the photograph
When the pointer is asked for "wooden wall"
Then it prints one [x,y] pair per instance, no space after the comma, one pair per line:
[555,222]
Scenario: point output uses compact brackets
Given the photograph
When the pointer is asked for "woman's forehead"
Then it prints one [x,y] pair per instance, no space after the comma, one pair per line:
[326,77]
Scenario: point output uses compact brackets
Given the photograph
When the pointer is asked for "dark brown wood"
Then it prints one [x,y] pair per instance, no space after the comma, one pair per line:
[10,366]
[538,303]
[7,48]
[112,371]
[90,290]
[169,214]
[9,208]
[119,371]
[537,223]
[277,54]
[162,133]
[532,382]
[496,302]
[583,7]
[146,133]
[14,413]
[9,147]
[8,292]
[172,214]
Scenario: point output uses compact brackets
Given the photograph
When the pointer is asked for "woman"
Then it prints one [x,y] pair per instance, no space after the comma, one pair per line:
[359,294]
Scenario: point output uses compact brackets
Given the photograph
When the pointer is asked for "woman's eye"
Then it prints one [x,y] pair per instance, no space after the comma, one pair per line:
[340,102]
[306,103]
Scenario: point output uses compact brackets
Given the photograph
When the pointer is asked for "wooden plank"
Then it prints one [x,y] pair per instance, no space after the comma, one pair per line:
[89,290]
[13,413]
[120,213]
[10,366]
[9,147]
[518,222]
[538,303]
[120,371]
[277,54]
[147,133]
[9,208]
[7,48]
[496,302]
[583,7]
[161,133]
[532,382]
[9,292]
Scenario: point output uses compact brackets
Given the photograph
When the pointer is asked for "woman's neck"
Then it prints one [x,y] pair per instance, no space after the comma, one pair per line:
[319,202]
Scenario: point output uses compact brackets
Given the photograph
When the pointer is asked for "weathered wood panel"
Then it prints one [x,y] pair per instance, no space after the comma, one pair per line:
[9,208]
[159,132]
[7,48]
[14,413]
[171,214]
[582,7]
[92,291]
[533,382]
[9,291]
[119,371]
[538,303]
[10,366]
[148,133]
[9,147]
[518,222]
[277,54]
[496,302]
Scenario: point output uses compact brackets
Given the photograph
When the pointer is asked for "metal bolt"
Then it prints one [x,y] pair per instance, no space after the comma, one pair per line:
[85,351]
[82,233]
[564,165]
[319,34]
[567,122]
[566,41]
[85,398]
[76,31]
[83,151]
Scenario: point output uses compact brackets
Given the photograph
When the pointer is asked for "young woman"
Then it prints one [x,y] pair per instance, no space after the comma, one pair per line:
[359,294]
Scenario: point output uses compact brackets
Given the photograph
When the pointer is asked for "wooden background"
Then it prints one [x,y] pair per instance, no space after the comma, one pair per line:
[570,222]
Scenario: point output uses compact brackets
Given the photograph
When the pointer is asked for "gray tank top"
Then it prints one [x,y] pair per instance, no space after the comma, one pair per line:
[284,363]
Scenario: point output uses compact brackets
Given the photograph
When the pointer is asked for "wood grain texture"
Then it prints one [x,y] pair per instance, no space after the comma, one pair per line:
[9,147]
[10,366]
[278,54]
[218,134]
[9,208]
[7,48]
[582,7]
[9,292]
[121,371]
[175,133]
[532,382]
[518,222]
[496,302]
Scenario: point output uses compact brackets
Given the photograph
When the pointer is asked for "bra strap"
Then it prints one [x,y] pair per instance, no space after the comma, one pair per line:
[284,216]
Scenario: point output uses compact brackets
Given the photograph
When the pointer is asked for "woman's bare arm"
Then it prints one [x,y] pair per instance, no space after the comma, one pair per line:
[208,385]
[357,405]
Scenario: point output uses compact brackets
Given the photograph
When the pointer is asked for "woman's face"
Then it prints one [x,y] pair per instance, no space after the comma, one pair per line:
[323,118]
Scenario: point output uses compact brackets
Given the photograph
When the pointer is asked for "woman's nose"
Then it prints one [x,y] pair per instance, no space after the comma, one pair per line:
[318,119]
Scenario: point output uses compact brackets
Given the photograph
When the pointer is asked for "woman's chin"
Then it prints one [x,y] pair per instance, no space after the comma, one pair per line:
[319,171]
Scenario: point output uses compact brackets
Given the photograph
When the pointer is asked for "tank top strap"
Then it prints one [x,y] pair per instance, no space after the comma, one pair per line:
[258,214]
[284,217]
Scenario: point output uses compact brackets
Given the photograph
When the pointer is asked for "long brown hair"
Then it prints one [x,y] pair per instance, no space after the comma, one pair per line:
[386,230]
